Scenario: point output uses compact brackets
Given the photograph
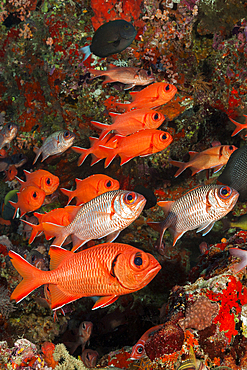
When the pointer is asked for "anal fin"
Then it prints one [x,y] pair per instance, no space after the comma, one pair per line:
[104,301]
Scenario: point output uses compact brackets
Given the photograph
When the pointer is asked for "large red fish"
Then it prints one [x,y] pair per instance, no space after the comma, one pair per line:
[131,122]
[29,199]
[152,96]
[90,187]
[42,179]
[198,209]
[131,76]
[140,144]
[106,270]
[215,157]
[105,215]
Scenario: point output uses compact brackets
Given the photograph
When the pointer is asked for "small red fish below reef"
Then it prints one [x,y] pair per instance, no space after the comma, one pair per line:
[152,96]
[239,126]
[106,270]
[128,123]
[141,144]
[42,179]
[29,199]
[131,76]
[89,357]
[56,143]
[10,173]
[7,134]
[198,209]
[90,188]
[105,215]
[138,350]
[215,157]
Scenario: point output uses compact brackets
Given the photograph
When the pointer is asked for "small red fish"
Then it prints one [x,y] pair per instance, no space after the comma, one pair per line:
[7,134]
[128,123]
[90,188]
[152,96]
[89,357]
[239,126]
[105,270]
[58,216]
[42,179]
[138,350]
[29,199]
[83,336]
[131,76]
[215,157]
[140,144]
[10,173]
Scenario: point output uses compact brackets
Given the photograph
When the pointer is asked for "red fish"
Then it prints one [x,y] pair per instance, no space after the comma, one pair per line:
[106,270]
[83,336]
[131,76]
[131,122]
[138,350]
[239,126]
[105,215]
[29,199]
[198,209]
[96,150]
[215,157]
[152,96]
[89,357]
[90,188]
[140,144]
[58,216]
[7,134]
[10,173]
[42,179]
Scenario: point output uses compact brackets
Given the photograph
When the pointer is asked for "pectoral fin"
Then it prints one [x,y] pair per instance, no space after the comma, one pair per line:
[104,301]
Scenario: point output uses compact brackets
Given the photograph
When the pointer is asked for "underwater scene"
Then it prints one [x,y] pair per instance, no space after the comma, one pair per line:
[123,184]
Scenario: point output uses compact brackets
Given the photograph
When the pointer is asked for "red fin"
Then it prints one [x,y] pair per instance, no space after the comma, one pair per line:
[110,156]
[192,154]
[114,116]
[60,298]
[195,170]
[68,193]
[54,230]
[166,205]
[36,229]
[32,277]
[83,156]
[77,243]
[125,159]
[239,127]
[182,166]
[104,301]
[58,255]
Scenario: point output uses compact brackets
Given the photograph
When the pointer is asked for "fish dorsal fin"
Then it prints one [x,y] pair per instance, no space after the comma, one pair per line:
[93,140]
[19,180]
[58,255]
[39,216]
[114,116]
[192,154]
[104,301]
[134,92]
[59,298]
[166,205]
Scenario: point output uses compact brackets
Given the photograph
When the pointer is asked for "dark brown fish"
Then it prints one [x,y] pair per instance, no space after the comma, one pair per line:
[7,134]
[235,172]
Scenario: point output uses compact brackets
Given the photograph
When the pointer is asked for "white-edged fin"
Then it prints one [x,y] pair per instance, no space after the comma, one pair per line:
[86,50]
[112,236]
[242,254]
[205,228]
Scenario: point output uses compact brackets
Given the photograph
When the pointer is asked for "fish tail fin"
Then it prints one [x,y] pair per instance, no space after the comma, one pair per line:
[56,231]
[32,277]
[36,229]
[239,127]
[95,72]
[84,153]
[95,159]
[85,50]
[242,254]
[68,193]
[182,166]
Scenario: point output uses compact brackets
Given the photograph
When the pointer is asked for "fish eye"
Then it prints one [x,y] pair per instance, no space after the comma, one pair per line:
[130,198]
[138,261]
[167,87]
[126,26]
[35,194]
[83,326]
[149,73]
[139,349]
[230,147]
[48,181]
[9,126]
[108,184]
[87,356]
[225,192]
[156,116]
[164,137]
[66,134]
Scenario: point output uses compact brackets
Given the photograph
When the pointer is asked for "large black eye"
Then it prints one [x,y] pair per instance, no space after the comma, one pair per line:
[108,184]
[35,194]
[48,181]
[138,261]
[167,87]
[156,116]
[83,326]
[230,147]
[139,349]
[130,198]
[149,73]
[225,192]
[66,134]
[164,137]
[9,126]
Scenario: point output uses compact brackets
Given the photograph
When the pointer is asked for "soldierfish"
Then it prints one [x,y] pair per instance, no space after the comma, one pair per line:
[59,216]
[198,209]
[83,336]
[42,179]
[56,143]
[90,187]
[29,199]
[152,96]
[18,160]
[139,144]
[7,134]
[239,126]
[138,350]
[110,38]
[131,76]
[215,157]
[128,123]
[105,215]
[106,270]
[89,357]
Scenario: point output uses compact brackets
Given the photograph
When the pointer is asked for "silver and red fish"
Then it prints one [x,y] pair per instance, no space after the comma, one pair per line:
[56,143]
[105,215]
[197,209]
[7,134]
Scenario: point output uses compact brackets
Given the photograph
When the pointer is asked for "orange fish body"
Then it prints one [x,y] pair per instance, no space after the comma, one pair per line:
[215,157]
[131,76]
[42,179]
[152,96]
[105,215]
[29,199]
[96,150]
[58,216]
[131,122]
[10,173]
[239,126]
[90,188]
[106,270]
[138,350]
[142,143]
